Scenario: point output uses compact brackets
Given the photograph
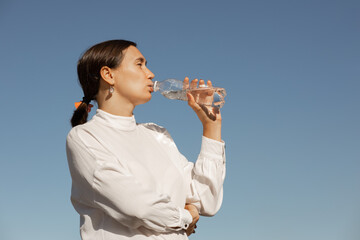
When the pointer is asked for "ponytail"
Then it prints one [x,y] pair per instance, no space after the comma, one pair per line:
[80,115]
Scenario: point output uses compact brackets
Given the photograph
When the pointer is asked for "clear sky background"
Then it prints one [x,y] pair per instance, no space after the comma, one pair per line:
[291,121]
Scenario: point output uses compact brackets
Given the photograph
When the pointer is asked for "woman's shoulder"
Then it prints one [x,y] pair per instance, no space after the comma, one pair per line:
[79,131]
[160,133]
[155,129]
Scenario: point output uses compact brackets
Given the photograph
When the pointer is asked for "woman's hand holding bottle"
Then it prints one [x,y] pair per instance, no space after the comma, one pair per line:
[210,117]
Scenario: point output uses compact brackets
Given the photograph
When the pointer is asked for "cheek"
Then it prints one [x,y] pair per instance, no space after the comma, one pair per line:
[132,85]
[135,90]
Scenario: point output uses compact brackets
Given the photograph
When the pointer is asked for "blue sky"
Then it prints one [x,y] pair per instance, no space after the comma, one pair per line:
[290,122]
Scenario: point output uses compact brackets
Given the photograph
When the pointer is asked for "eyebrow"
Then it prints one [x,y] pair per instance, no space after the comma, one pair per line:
[141,59]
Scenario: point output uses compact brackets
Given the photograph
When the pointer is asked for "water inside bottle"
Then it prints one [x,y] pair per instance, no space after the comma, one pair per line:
[205,96]
[180,94]
[209,96]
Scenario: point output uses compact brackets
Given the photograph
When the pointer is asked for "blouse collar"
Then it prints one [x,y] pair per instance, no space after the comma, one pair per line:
[120,122]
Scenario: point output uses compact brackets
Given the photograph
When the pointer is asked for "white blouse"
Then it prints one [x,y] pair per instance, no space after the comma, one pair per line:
[129,181]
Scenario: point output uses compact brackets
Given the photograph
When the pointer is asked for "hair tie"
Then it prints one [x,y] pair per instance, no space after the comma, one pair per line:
[87,102]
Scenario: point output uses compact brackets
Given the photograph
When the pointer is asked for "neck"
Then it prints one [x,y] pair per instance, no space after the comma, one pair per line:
[113,103]
[116,106]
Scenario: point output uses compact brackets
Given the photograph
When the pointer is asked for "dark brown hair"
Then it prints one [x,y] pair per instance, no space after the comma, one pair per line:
[110,54]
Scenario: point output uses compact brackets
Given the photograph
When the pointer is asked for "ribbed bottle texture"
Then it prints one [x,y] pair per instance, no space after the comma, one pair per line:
[203,95]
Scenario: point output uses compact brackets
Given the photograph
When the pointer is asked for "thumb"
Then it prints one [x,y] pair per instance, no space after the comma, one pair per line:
[192,103]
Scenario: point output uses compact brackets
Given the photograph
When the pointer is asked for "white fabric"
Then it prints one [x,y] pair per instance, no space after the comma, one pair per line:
[129,181]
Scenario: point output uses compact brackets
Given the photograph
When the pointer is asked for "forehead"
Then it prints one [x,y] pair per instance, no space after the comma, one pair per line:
[132,53]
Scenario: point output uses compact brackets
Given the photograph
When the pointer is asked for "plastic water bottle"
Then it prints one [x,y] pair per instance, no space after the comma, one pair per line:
[203,95]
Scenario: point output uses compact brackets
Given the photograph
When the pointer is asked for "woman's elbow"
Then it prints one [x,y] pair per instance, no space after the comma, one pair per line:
[210,208]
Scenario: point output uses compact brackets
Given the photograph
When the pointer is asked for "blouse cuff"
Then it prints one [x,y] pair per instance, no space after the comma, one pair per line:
[185,218]
[212,148]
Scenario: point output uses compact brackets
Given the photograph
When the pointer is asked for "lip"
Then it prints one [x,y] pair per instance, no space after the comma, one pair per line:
[151,86]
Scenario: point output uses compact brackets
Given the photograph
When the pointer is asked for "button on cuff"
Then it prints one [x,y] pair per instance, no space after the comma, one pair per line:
[185,218]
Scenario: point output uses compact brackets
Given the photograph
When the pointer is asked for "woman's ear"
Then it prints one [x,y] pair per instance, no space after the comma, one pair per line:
[107,76]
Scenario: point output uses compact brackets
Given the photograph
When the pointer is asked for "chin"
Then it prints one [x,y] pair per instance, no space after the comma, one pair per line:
[145,100]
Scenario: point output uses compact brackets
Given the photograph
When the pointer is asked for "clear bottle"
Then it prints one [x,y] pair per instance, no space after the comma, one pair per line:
[203,95]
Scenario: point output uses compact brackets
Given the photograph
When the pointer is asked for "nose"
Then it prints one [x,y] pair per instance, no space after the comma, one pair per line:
[150,75]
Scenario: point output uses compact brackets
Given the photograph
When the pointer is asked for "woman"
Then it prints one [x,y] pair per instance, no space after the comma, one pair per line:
[129,181]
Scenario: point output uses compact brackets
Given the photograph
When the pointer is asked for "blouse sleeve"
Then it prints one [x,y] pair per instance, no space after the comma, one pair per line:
[206,177]
[99,180]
